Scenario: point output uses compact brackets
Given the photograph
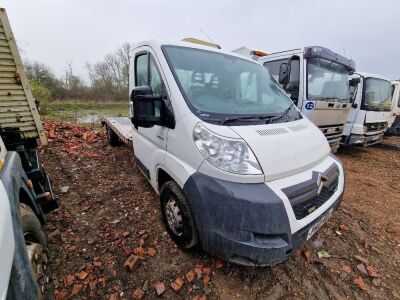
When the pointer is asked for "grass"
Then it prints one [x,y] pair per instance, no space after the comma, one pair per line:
[82,111]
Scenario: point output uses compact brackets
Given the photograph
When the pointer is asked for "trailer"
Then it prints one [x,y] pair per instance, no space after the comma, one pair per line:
[394,127]
[119,130]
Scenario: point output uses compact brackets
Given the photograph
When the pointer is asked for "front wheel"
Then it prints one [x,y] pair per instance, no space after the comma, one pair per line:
[177,216]
[36,248]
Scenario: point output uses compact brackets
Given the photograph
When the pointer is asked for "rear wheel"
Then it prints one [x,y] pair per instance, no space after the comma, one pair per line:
[36,248]
[177,216]
[113,138]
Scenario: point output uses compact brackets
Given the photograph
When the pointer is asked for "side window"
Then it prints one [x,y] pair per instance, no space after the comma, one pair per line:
[155,78]
[293,85]
[142,70]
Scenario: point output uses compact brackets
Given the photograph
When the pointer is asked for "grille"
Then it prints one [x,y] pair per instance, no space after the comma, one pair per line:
[376,126]
[305,208]
[272,131]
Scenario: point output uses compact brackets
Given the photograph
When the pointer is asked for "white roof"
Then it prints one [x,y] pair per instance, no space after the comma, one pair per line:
[157,43]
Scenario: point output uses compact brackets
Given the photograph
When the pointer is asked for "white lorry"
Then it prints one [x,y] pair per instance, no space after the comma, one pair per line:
[394,127]
[25,190]
[238,168]
[371,109]
[316,79]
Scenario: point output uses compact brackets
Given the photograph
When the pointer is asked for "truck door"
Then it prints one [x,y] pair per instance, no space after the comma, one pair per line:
[149,144]
[355,99]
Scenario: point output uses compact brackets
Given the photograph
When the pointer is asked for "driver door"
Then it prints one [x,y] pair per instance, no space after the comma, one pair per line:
[149,144]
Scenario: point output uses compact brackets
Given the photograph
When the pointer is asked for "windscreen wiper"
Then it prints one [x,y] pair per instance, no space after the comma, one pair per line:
[283,114]
[251,118]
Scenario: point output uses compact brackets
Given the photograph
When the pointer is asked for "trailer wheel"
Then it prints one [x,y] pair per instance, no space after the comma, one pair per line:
[177,216]
[36,248]
[113,138]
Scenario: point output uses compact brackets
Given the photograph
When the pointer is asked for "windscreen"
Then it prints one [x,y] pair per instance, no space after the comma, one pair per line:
[219,85]
[327,80]
[377,95]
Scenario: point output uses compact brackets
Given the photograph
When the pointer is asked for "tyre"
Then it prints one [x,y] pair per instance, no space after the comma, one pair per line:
[177,216]
[113,138]
[36,248]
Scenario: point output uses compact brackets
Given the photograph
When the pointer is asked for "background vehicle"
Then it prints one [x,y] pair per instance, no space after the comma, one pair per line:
[371,111]
[25,271]
[394,128]
[25,187]
[20,125]
[224,147]
[316,80]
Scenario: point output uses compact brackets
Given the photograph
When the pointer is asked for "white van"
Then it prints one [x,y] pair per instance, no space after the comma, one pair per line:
[371,112]
[238,168]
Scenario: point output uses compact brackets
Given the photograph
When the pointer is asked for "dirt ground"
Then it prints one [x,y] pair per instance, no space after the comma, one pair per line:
[108,213]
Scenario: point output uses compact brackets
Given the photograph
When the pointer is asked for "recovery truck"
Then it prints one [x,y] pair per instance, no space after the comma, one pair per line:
[25,190]
[371,109]
[394,127]
[223,146]
[316,80]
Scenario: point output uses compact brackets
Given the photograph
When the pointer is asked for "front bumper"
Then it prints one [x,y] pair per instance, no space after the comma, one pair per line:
[247,224]
[365,140]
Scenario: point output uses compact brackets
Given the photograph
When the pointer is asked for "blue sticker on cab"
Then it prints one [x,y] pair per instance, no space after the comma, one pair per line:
[309,105]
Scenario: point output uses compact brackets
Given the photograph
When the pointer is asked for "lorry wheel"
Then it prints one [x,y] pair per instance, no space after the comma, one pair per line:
[36,248]
[177,216]
[113,138]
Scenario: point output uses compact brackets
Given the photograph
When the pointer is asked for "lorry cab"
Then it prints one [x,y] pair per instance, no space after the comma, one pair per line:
[238,167]
[316,80]
[394,127]
[371,109]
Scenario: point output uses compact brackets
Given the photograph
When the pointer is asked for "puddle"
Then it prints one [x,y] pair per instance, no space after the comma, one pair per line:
[88,119]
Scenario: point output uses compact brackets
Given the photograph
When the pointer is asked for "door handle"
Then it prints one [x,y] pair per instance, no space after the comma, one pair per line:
[160,137]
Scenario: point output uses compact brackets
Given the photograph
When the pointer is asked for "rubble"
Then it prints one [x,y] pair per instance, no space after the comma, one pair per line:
[110,216]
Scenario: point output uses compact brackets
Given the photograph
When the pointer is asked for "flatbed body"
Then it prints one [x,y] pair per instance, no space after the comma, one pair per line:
[121,126]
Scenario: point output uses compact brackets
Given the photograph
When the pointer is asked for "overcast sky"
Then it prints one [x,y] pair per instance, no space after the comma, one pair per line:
[57,31]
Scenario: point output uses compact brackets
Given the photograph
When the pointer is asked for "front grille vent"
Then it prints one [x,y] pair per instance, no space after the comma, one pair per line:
[371,127]
[305,208]
[272,131]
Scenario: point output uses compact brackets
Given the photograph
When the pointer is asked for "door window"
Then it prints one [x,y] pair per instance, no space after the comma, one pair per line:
[142,70]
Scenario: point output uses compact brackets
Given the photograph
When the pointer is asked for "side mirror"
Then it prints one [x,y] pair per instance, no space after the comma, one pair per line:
[354,81]
[146,107]
[283,73]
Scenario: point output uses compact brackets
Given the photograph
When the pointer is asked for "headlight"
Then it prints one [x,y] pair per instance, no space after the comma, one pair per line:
[230,155]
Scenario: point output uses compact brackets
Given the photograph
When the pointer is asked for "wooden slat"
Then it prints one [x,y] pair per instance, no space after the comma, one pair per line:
[6,74]
[10,87]
[3,36]
[3,43]
[13,98]
[5,49]
[4,92]
[12,103]
[6,56]
[16,119]
[15,109]
[16,115]
[9,68]
[8,80]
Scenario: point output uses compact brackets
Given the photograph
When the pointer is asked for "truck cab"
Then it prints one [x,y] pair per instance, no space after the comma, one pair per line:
[316,80]
[371,109]
[223,145]
[394,127]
